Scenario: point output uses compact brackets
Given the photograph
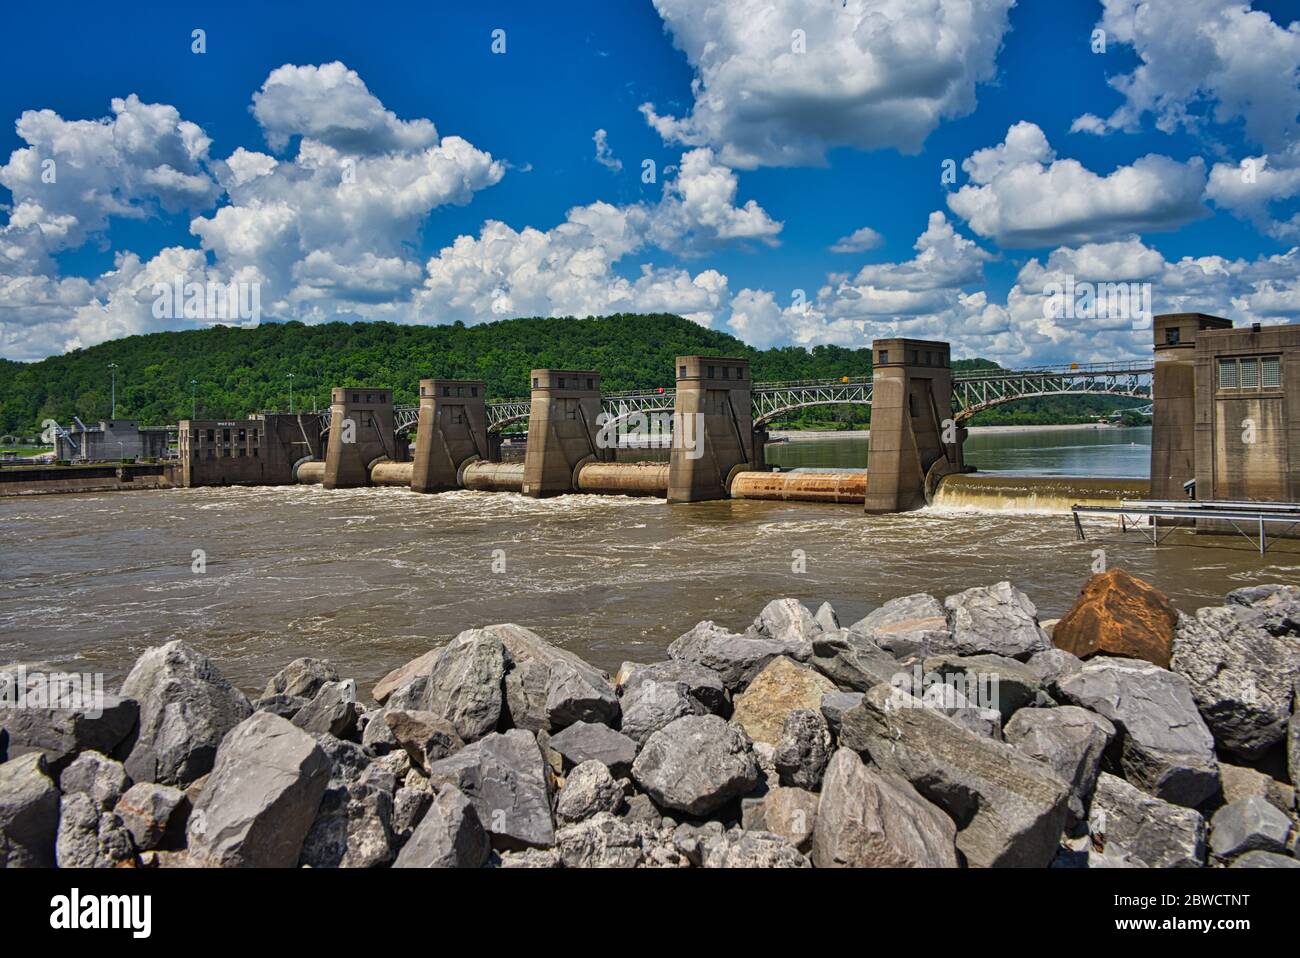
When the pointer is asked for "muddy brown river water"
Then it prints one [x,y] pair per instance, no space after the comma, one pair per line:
[370,578]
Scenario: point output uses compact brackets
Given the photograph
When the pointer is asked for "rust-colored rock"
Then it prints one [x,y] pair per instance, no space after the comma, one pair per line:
[1118,614]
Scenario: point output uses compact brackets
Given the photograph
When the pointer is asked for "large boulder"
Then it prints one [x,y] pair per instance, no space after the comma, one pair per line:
[301,678]
[155,815]
[71,726]
[547,687]
[870,819]
[851,660]
[696,764]
[1011,808]
[654,695]
[504,775]
[29,813]
[186,709]
[909,625]
[1264,860]
[605,841]
[1276,607]
[404,675]
[1165,747]
[588,741]
[1071,741]
[1241,675]
[1241,782]
[449,836]
[103,779]
[1128,826]
[997,619]
[261,798]
[1250,824]
[788,621]
[1118,614]
[90,837]
[835,704]
[588,790]
[426,737]
[803,750]
[334,711]
[779,689]
[987,681]
[353,827]
[736,658]
[464,684]
[788,812]
[1053,665]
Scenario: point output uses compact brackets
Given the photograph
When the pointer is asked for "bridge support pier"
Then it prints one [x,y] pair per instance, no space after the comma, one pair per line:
[713,423]
[562,430]
[361,431]
[911,417]
[451,431]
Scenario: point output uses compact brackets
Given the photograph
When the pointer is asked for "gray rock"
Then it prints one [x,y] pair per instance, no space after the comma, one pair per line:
[587,741]
[1293,746]
[1070,740]
[449,836]
[736,658]
[997,619]
[334,711]
[1275,608]
[1133,828]
[1011,808]
[741,849]
[103,779]
[186,709]
[353,827]
[547,687]
[602,841]
[640,810]
[464,684]
[804,749]
[261,797]
[29,813]
[696,764]
[409,807]
[788,812]
[835,704]
[413,673]
[852,661]
[426,737]
[870,819]
[1165,747]
[90,837]
[588,789]
[696,681]
[1264,860]
[285,706]
[1053,665]
[946,699]
[826,618]
[155,815]
[504,775]
[301,678]
[61,734]
[650,704]
[988,681]
[527,858]
[1251,824]
[1241,676]
[789,622]
[377,738]
[909,625]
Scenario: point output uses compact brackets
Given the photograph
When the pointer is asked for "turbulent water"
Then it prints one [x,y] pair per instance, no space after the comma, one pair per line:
[372,577]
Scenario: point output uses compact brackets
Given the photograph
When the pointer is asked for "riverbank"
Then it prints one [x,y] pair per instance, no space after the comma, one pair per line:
[926,734]
[805,435]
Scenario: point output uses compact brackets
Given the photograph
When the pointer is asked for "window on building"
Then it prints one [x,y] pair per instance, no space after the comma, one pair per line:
[1270,372]
[473,390]
[446,390]
[884,355]
[591,383]
[1172,336]
[681,372]
[212,435]
[712,370]
[254,452]
[460,391]
[225,435]
[535,382]
[1227,374]
[243,436]
[1250,373]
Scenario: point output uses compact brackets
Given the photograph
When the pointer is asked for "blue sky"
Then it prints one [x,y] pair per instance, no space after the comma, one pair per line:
[476,191]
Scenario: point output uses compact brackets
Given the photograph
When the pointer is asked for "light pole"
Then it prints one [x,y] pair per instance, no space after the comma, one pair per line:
[290,394]
[112,369]
[194,388]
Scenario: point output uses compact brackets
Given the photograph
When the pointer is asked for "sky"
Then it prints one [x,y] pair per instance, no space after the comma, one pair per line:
[794,172]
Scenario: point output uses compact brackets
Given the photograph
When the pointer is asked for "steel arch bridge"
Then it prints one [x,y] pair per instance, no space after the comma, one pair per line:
[973,391]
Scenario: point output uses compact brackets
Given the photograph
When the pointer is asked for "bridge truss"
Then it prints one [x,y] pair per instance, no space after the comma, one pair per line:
[977,390]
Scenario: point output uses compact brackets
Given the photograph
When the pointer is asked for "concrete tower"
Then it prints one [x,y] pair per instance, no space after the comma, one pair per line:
[361,431]
[452,430]
[562,430]
[1173,396]
[713,426]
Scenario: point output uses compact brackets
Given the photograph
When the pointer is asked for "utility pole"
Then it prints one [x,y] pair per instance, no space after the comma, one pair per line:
[291,394]
[112,369]
[194,402]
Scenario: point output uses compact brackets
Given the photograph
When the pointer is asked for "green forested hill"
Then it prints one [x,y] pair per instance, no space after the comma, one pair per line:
[239,371]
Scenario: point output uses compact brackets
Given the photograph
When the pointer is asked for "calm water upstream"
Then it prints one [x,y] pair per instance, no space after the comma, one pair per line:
[372,577]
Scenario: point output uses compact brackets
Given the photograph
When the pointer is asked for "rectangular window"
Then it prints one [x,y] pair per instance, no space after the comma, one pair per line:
[534,382]
[561,382]
[1171,336]
[446,390]
[1250,373]
[473,390]
[212,435]
[225,435]
[712,371]
[242,435]
[591,383]
[681,372]
[1227,374]
[1270,369]
[884,355]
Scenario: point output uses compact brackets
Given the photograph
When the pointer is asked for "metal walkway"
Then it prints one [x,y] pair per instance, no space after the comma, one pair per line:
[1250,519]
